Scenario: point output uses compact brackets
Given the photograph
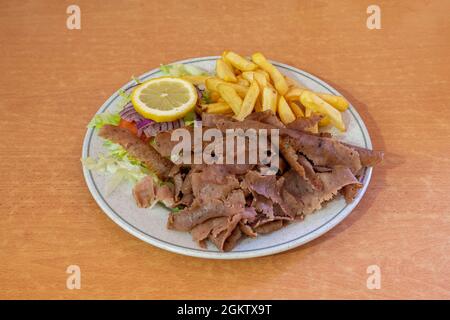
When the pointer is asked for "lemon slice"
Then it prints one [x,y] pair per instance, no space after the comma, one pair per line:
[164,99]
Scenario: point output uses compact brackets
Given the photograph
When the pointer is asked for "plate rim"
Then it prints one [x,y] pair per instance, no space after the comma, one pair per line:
[201,253]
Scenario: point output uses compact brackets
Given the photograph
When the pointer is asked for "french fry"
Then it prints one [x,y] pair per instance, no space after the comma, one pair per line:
[277,78]
[242,81]
[258,106]
[284,111]
[224,71]
[214,96]
[212,85]
[195,80]
[231,97]
[248,75]
[311,101]
[264,73]
[249,101]
[308,112]
[294,83]
[296,109]
[269,100]
[261,80]
[240,62]
[217,108]
[338,102]
[325,121]
[259,77]
[294,93]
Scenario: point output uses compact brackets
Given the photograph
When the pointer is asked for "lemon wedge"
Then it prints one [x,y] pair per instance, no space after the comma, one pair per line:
[164,99]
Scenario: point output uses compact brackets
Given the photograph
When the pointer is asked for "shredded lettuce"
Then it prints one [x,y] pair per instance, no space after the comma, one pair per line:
[101,119]
[176,209]
[189,118]
[179,70]
[118,164]
[206,97]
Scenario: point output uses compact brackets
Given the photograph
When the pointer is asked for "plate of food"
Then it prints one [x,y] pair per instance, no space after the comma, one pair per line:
[227,157]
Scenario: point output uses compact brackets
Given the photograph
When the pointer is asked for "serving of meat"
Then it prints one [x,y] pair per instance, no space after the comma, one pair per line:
[138,149]
[224,203]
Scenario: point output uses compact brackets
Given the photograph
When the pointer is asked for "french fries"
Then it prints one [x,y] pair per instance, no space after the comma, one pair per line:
[242,81]
[195,80]
[269,100]
[338,102]
[313,102]
[258,106]
[258,76]
[239,62]
[249,101]
[294,93]
[214,96]
[325,121]
[231,97]
[248,75]
[296,110]
[264,73]
[261,80]
[284,111]
[278,79]
[224,71]
[212,85]
[217,108]
[242,86]
[293,83]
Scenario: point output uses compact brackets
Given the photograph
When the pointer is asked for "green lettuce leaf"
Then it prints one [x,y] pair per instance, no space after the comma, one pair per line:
[118,164]
[101,119]
[179,70]
[189,118]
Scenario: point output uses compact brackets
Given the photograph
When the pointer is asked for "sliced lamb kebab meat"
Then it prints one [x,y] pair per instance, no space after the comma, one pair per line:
[138,149]
[369,158]
[303,124]
[313,200]
[310,174]
[263,185]
[269,227]
[325,151]
[226,237]
[163,143]
[247,230]
[178,183]
[199,212]
[300,164]
[201,232]
[144,192]
[349,192]
[268,192]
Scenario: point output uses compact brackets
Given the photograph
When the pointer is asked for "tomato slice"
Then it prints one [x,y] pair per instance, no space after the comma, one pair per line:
[128,125]
[133,129]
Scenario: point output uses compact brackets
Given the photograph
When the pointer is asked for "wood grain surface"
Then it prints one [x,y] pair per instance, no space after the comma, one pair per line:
[54,79]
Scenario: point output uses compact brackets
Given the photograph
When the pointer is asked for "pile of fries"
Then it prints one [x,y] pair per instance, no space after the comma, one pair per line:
[241,87]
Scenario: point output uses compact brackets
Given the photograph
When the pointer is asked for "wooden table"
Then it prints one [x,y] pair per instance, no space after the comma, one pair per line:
[54,79]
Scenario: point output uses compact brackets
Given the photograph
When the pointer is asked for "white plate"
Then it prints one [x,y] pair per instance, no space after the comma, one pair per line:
[149,225]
